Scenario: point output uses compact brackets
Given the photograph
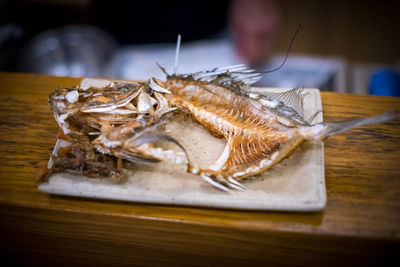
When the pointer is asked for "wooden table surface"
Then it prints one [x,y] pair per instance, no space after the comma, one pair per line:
[360,224]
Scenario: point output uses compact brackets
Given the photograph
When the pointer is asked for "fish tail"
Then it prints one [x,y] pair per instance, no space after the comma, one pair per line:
[333,128]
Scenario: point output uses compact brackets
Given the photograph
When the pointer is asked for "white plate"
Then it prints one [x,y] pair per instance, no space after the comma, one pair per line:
[296,184]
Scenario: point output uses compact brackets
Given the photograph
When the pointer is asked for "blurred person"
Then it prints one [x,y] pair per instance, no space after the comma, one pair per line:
[254,26]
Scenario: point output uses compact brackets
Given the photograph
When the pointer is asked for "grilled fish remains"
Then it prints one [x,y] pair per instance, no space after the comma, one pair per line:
[103,128]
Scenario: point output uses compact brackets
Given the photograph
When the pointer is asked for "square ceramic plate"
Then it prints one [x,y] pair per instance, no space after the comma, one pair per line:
[296,184]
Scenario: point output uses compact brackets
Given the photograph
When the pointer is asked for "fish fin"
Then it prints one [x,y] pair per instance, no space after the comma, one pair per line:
[229,74]
[209,179]
[221,183]
[293,98]
[333,128]
[313,116]
[131,152]
[149,137]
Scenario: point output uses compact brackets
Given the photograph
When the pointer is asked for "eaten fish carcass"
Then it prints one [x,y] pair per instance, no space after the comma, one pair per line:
[102,127]
[261,128]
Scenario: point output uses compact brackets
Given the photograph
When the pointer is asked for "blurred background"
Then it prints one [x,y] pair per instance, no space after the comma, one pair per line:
[344,46]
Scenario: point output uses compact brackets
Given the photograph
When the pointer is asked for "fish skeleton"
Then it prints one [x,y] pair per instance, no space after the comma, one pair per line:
[103,127]
[260,129]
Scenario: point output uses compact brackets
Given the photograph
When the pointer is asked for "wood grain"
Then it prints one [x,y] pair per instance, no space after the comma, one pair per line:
[359,225]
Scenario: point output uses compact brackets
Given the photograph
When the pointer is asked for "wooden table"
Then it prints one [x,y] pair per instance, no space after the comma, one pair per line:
[361,223]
